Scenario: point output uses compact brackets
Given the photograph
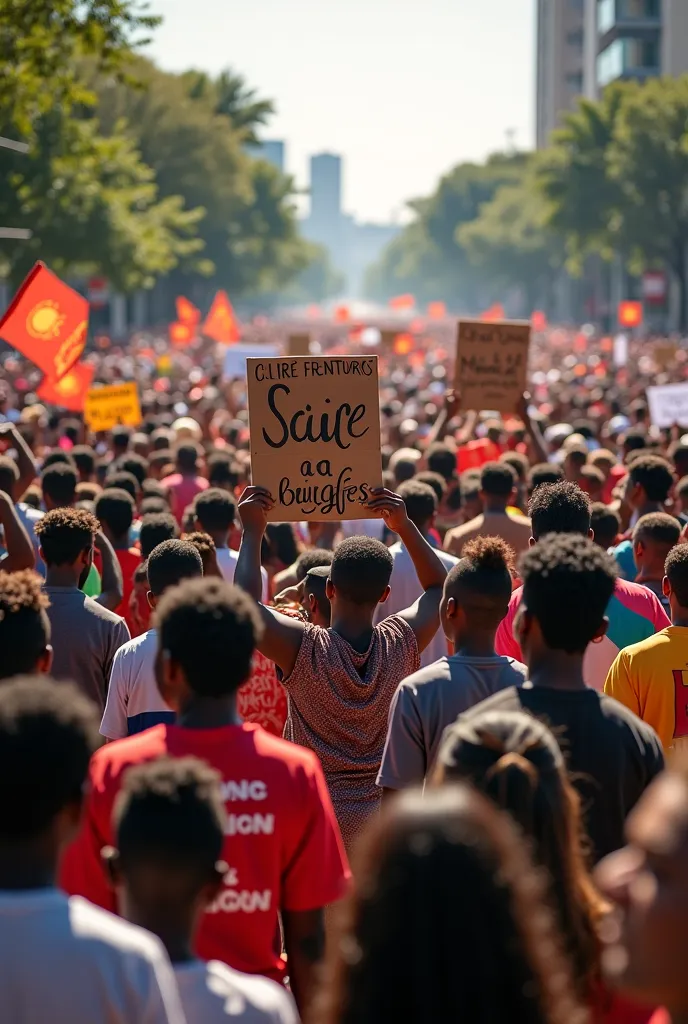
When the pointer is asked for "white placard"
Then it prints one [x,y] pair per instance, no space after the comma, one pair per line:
[620,350]
[668,404]
[236,356]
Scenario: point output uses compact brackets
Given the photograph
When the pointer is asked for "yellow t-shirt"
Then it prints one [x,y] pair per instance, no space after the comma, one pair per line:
[651,679]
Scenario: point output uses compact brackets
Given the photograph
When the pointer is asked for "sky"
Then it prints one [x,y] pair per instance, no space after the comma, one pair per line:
[402,89]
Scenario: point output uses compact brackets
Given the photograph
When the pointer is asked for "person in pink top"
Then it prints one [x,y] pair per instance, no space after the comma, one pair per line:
[634,612]
[186,483]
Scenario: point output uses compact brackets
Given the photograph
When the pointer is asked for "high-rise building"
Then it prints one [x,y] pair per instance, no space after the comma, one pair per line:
[559,53]
[270,150]
[326,188]
[634,39]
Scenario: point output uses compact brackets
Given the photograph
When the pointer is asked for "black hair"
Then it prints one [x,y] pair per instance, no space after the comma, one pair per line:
[497,479]
[64,533]
[559,508]
[84,459]
[544,473]
[71,430]
[215,510]
[481,581]
[121,438]
[635,439]
[312,559]
[441,459]
[171,810]
[679,455]
[9,474]
[223,472]
[316,584]
[361,569]
[593,474]
[434,480]
[577,455]
[281,542]
[420,502]
[57,457]
[605,524]
[210,629]
[155,528]
[518,462]
[47,735]
[653,474]
[115,508]
[24,623]
[676,569]
[154,489]
[404,469]
[152,505]
[124,481]
[171,562]
[58,483]
[187,455]
[658,527]
[134,464]
[567,584]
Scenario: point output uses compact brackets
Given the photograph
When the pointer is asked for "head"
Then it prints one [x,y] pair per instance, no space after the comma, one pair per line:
[634,440]
[281,547]
[155,528]
[648,483]
[675,583]
[682,493]
[134,464]
[66,537]
[574,460]
[187,457]
[604,460]
[207,633]
[471,495]
[121,439]
[605,525]
[441,459]
[559,508]
[403,464]
[58,483]
[223,473]
[9,475]
[421,504]
[543,473]
[518,462]
[85,462]
[434,480]
[591,480]
[497,485]
[168,825]
[515,760]
[678,454]
[114,508]
[360,574]
[477,591]
[215,511]
[654,535]
[47,735]
[647,882]
[169,564]
[205,545]
[160,464]
[24,625]
[87,492]
[563,572]
[314,600]
[123,481]
[55,456]
[311,559]
[426,863]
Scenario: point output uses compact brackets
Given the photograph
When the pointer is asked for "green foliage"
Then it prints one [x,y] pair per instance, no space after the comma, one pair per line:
[319,281]
[230,96]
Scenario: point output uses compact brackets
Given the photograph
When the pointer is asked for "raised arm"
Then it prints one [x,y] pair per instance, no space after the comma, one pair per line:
[282,635]
[112,584]
[423,617]
[452,404]
[20,553]
[537,441]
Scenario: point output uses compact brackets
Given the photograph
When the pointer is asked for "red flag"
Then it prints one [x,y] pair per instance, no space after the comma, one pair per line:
[630,314]
[181,333]
[437,310]
[47,321]
[403,344]
[69,392]
[187,313]
[220,323]
[495,312]
[341,315]
[538,320]
[402,302]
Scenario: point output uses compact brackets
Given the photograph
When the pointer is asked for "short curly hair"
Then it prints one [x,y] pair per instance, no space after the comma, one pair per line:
[654,475]
[64,533]
[676,570]
[361,569]
[24,624]
[559,508]
[567,584]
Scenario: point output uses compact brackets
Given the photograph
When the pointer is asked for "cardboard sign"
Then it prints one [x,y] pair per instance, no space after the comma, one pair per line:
[492,363]
[112,406]
[236,356]
[668,404]
[298,345]
[664,355]
[315,435]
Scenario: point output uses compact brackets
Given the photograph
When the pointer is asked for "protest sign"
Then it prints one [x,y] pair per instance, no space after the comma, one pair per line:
[315,435]
[236,356]
[298,345]
[668,404]
[112,406]
[620,351]
[491,363]
[664,354]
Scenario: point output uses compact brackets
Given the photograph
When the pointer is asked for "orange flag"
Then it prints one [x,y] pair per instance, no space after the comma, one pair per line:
[437,310]
[220,323]
[341,315]
[403,344]
[495,312]
[630,314]
[538,320]
[402,302]
[69,392]
[187,313]
[47,321]
[181,333]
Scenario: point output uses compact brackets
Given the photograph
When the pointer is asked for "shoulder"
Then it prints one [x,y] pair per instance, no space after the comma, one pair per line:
[623,718]
[260,993]
[505,700]
[645,649]
[93,924]
[394,628]
[520,521]
[430,675]
[517,667]
[292,759]
[447,560]
[138,647]
[467,528]
[99,611]
[109,762]
[637,598]
[515,599]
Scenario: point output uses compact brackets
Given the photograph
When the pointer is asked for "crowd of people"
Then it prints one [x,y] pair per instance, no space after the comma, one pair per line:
[424,766]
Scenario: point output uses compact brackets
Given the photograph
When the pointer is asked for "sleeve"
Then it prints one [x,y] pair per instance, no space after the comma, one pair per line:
[660,619]
[505,643]
[266,585]
[119,636]
[81,871]
[404,761]
[114,723]
[317,871]
[619,685]
[161,1003]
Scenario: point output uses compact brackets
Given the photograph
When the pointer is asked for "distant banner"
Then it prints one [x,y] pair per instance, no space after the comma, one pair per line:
[668,404]
[112,406]
[315,435]
[492,364]
[236,356]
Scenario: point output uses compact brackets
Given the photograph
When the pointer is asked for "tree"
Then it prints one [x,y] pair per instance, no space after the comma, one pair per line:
[319,281]
[231,97]
[41,42]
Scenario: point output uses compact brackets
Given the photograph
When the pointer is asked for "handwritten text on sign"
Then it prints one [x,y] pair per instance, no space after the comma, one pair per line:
[315,435]
[668,404]
[491,363]
[111,406]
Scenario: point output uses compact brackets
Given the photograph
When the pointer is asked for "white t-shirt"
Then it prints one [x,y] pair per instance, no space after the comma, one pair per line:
[65,961]
[405,591]
[213,993]
[133,699]
[227,562]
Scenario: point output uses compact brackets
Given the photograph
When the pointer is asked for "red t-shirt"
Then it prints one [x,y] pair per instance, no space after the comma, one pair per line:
[282,841]
[263,699]
[129,560]
[183,490]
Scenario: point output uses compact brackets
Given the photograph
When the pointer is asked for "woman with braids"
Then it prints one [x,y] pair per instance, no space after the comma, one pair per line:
[446,923]
[515,760]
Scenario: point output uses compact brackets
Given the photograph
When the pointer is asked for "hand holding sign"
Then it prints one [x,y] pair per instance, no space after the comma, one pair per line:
[254,505]
[389,506]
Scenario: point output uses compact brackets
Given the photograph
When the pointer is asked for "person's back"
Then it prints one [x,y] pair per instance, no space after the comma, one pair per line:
[186,482]
[497,489]
[114,509]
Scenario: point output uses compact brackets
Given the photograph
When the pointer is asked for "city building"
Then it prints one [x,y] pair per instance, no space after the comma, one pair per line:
[559,56]
[270,150]
[633,39]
